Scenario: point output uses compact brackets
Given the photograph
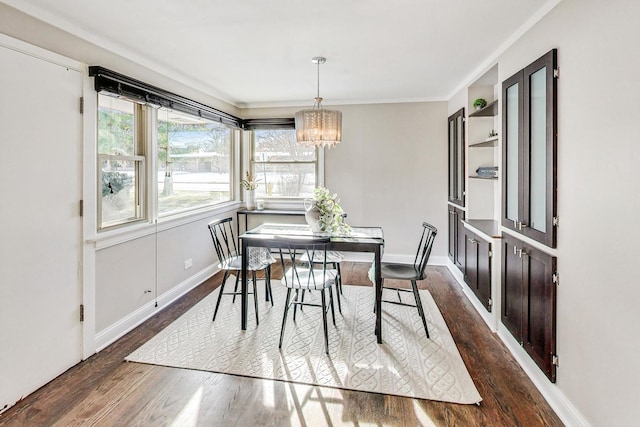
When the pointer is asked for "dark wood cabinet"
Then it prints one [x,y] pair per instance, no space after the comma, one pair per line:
[477,270]
[455,125]
[529,147]
[528,310]
[456,237]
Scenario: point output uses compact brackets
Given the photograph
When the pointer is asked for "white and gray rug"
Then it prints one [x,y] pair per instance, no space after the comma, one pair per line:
[407,364]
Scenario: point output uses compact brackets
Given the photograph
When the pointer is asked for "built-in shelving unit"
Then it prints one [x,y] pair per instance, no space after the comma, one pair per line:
[490,110]
[492,141]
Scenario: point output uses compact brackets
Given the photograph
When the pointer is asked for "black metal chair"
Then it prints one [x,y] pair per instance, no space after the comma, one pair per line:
[412,272]
[303,276]
[225,244]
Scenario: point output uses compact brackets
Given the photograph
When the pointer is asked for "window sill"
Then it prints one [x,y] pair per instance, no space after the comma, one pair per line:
[125,234]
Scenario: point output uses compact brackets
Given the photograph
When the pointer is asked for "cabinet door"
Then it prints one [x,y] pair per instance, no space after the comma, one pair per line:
[484,273]
[512,188]
[477,271]
[459,260]
[529,128]
[539,155]
[539,315]
[512,287]
[471,260]
[453,239]
[456,157]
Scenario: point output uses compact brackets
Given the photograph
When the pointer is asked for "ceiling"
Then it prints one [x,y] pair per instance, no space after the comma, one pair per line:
[254,53]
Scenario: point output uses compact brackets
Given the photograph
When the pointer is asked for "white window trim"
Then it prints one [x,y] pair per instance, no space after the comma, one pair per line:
[287,203]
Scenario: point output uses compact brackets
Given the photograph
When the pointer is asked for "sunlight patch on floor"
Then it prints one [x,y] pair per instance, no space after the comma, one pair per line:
[189,414]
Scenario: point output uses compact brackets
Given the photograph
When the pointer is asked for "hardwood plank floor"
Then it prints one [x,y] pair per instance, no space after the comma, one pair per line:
[106,391]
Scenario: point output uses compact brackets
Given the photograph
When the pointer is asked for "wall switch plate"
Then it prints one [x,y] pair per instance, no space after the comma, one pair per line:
[188,263]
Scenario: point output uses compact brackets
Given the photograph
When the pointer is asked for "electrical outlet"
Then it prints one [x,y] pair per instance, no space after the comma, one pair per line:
[188,263]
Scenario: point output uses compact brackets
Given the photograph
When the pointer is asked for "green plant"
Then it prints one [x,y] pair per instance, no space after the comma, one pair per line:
[330,211]
[250,182]
[480,103]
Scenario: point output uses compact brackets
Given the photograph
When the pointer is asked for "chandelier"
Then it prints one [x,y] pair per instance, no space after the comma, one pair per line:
[319,127]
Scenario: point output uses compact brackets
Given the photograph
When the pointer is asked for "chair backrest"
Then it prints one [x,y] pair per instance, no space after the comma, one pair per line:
[302,273]
[429,233]
[224,241]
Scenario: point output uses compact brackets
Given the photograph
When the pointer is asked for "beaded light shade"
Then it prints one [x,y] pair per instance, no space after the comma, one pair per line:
[318,126]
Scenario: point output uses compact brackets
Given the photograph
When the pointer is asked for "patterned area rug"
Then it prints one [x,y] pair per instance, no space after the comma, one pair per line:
[407,364]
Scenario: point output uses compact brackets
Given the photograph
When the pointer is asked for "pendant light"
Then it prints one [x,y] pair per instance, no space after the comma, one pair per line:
[319,127]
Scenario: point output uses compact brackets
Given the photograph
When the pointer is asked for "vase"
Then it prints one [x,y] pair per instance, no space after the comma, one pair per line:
[312,215]
[250,199]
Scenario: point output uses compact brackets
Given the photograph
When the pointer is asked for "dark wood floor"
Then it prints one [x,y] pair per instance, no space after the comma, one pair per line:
[105,391]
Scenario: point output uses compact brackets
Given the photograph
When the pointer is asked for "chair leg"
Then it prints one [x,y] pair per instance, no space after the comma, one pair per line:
[295,306]
[324,323]
[333,313]
[235,289]
[284,316]
[414,286]
[338,286]
[224,280]
[269,291]
[255,295]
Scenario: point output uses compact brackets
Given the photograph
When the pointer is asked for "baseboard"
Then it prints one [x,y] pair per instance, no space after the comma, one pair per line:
[123,326]
[562,406]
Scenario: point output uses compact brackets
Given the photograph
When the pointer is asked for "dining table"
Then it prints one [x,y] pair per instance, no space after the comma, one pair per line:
[354,239]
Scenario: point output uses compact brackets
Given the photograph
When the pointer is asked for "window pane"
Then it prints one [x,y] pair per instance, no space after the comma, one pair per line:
[280,145]
[120,173]
[285,180]
[118,204]
[194,162]
[538,132]
[116,128]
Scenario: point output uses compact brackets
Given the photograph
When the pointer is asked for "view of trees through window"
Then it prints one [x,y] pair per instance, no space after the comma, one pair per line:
[120,161]
[284,167]
[194,162]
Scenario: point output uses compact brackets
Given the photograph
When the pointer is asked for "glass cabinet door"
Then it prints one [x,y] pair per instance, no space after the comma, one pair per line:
[511,149]
[456,157]
[529,150]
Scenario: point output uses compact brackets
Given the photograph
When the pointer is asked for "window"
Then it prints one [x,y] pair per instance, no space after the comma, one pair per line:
[285,168]
[121,162]
[193,165]
[194,162]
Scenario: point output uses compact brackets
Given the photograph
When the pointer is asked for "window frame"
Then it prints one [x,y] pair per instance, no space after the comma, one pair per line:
[252,162]
[153,141]
[141,149]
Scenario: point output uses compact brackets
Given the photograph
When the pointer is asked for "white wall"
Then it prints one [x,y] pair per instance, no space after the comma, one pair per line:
[598,198]
[390,169]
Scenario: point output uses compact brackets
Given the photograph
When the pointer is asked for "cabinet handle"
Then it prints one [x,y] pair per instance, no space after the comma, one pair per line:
[147,291]
[521,225]
[472,241]
[515,250]
[521,252]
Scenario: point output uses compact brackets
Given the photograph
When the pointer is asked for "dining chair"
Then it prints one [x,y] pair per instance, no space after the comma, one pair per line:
[305,276]
[225,244]
[411,272]
[334,258]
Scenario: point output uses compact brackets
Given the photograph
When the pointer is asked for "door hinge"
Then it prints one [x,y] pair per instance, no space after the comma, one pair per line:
[490,303]
[556,73]
[81,105]
[490,254]
[555,221]
[82,312]
[554,360]
[555,278]
[81,207]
